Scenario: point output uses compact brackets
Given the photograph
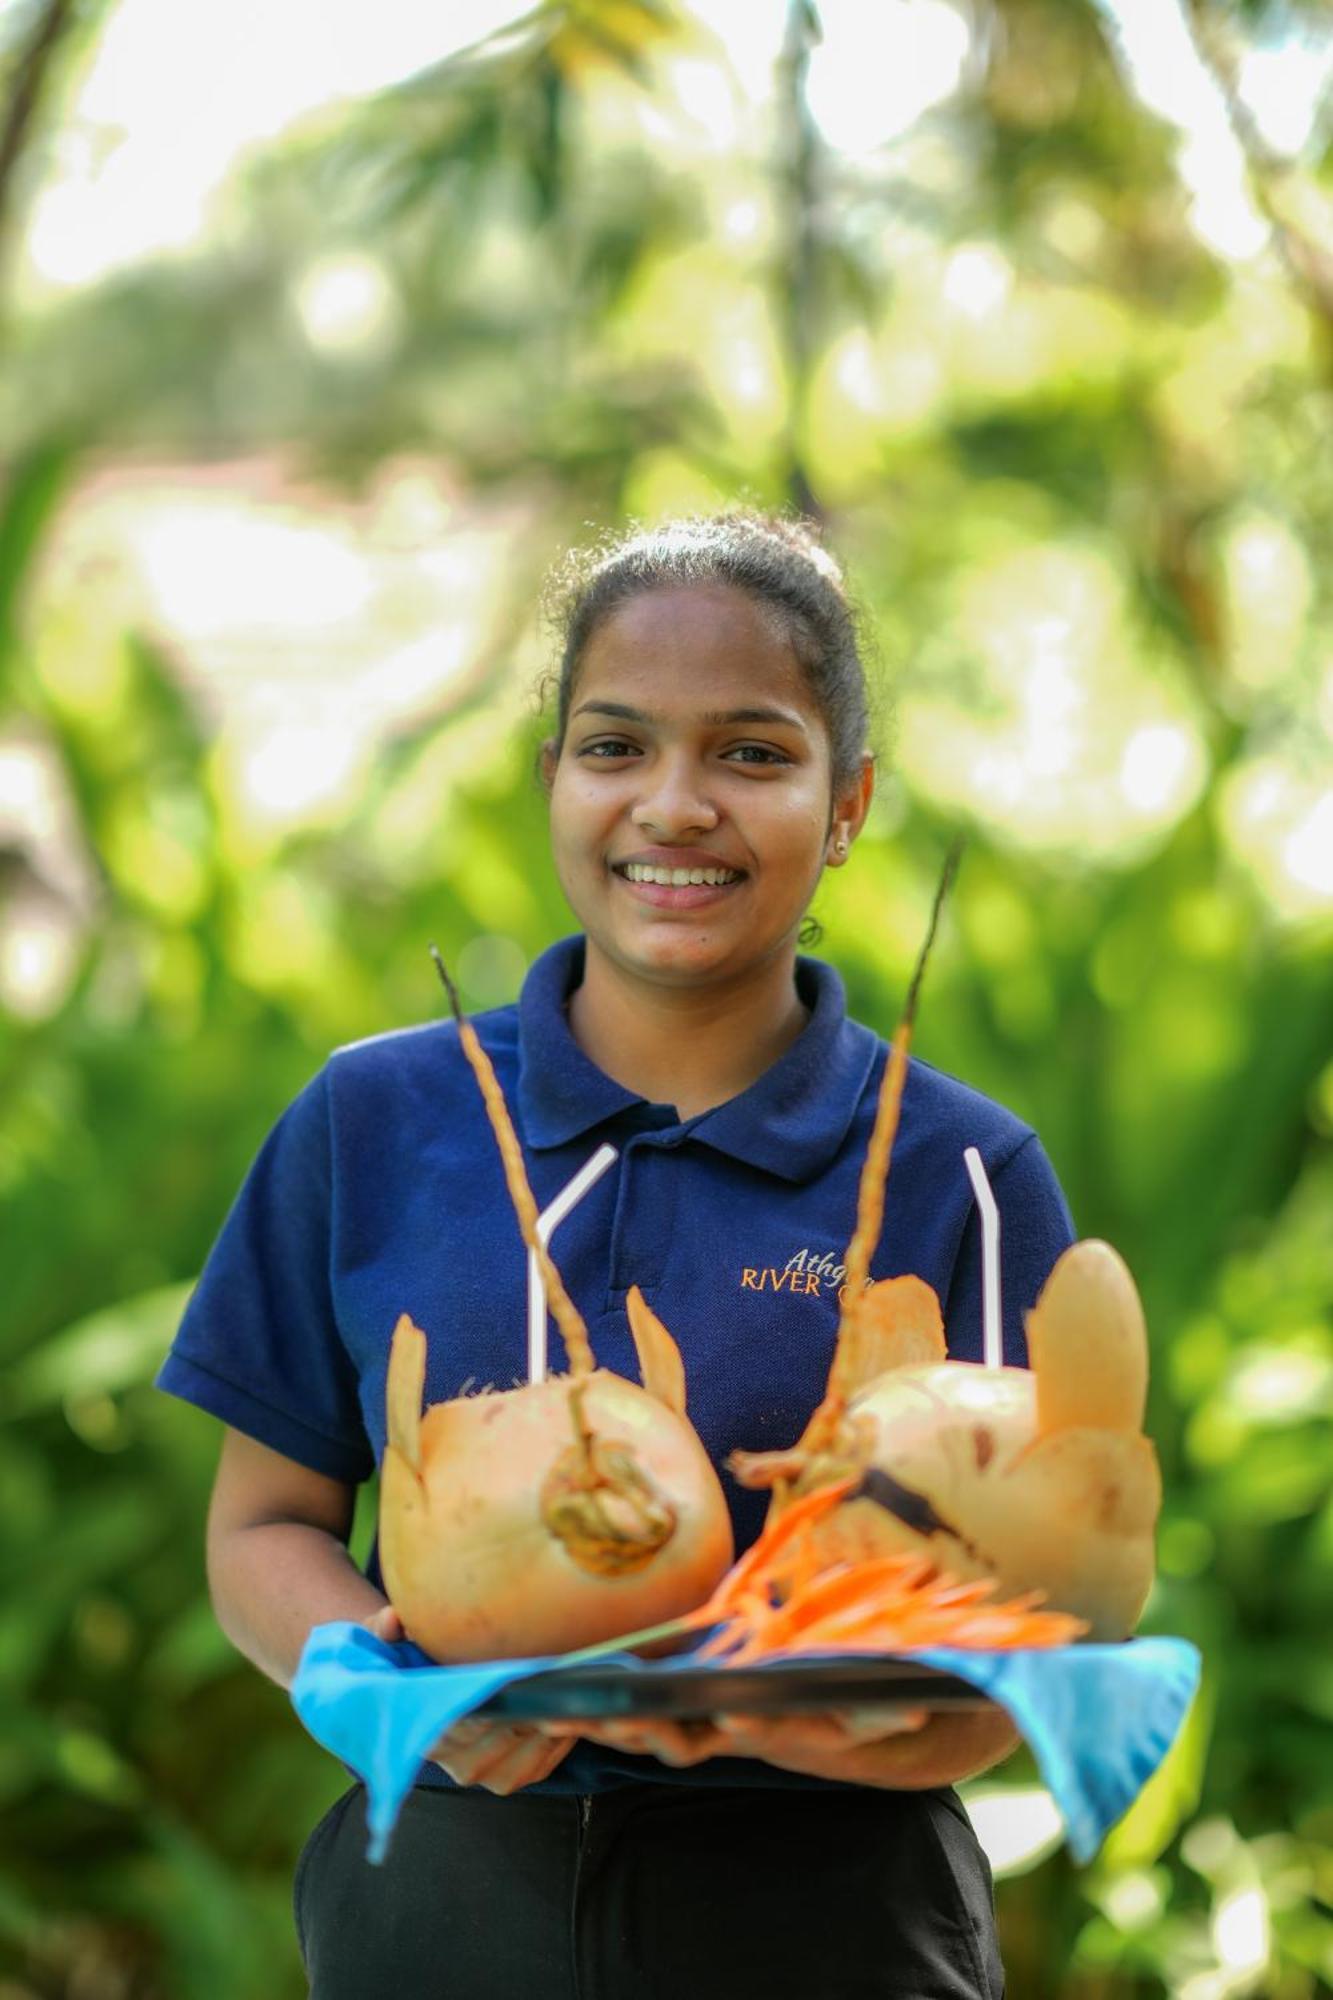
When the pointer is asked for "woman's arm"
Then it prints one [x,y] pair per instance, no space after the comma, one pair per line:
[277,1554]
[278,1565]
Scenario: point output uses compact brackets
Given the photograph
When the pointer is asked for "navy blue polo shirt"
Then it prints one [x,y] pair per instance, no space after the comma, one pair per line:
[380,1191]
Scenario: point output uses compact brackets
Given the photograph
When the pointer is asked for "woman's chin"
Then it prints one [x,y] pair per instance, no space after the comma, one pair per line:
[675,952]
[688,958]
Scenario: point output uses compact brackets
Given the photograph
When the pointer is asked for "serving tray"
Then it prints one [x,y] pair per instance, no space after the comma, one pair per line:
[780,1688]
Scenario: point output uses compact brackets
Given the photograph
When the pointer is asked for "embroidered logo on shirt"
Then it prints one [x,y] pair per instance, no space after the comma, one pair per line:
[807,1274]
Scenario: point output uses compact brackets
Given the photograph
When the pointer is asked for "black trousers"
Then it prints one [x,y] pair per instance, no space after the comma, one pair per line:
[654,1892]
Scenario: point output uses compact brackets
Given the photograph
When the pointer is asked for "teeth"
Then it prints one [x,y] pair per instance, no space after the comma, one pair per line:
[679,878]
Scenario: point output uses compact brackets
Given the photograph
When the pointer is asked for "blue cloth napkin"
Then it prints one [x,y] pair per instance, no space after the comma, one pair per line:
[1099,1719]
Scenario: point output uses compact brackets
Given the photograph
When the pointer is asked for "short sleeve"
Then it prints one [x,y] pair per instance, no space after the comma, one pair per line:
[259,1345]
[1035,1227]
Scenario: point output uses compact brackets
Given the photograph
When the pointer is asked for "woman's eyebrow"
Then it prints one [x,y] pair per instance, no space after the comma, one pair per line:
[716,718]
[781,715]
[617,708]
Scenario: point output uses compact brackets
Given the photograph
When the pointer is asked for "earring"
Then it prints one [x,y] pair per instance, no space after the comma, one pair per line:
[840,847]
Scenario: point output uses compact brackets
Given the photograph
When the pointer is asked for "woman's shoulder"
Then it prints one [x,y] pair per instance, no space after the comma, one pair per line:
[960,1107]
[937,1105]
[942,1118]
[424,1051]
[940,1110]
[412,1081]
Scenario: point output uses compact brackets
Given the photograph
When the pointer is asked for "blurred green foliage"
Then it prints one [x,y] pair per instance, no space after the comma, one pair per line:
[582,321]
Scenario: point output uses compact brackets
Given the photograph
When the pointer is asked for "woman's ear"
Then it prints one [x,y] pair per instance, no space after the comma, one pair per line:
[849,811]
[547,759]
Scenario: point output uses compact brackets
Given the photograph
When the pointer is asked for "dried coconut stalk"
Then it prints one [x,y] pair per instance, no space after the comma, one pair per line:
[564,1312]
[879,1154]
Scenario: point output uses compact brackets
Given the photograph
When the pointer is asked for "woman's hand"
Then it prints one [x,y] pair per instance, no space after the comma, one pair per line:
[501,1757]
[815,1745]
[676,1743]
[863,1746]
[895,1748]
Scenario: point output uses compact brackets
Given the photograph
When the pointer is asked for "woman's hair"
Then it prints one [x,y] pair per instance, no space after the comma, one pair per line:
[775,560]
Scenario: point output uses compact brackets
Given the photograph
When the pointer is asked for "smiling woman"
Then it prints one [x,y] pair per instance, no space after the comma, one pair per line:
[708,762]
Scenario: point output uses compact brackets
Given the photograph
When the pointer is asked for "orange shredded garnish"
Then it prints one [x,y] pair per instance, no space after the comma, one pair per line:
[759,1563]
[777,1599]
[890,1604]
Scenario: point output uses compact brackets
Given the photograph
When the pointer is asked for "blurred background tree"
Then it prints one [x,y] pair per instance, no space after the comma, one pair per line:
[321,338]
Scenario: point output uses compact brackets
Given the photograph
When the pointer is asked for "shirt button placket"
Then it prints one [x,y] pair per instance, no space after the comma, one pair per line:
[642,1230]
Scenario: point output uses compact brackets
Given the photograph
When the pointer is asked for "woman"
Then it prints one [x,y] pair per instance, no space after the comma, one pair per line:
[709,762]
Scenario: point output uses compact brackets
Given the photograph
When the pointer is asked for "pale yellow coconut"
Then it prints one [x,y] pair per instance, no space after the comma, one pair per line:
[541,1519]
[1040,1479]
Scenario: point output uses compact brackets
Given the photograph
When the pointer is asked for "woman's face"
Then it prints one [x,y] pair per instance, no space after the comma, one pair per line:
[691,802]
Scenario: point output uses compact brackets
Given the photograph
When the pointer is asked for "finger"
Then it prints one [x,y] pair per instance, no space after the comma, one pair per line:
[521,1763]
[617,1732]
[743,1735]
[524,1764]
[880,1719]
[679,1744]
[470,1730]
[862,1725]
[478,1761]
[385,1624]
[637,1734]
[471,1744]
[788,1736]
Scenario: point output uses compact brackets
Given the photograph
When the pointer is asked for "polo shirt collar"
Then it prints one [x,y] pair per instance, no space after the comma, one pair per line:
[791,1121]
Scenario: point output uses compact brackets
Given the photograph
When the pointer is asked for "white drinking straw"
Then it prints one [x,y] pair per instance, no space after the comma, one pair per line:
[992,1340]
[549,1219]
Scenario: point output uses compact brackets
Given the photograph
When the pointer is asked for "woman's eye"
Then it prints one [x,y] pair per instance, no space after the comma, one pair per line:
[757,753]
[606,747]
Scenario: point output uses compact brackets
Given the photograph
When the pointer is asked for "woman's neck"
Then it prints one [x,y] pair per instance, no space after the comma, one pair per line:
[680,1045]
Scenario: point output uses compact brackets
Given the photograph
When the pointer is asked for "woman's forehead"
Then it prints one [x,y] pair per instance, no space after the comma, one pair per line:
[681,646]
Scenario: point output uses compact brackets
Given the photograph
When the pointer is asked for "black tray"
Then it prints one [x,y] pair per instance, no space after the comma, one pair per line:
[610,1690]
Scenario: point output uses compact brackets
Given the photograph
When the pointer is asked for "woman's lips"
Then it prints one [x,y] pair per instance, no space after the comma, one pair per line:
[678,896]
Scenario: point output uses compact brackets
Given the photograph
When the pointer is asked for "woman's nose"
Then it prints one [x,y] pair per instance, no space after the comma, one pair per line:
[674,801]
